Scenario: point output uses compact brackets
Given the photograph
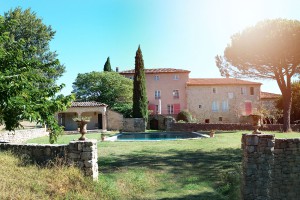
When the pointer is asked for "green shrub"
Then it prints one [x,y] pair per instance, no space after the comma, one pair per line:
[184,116]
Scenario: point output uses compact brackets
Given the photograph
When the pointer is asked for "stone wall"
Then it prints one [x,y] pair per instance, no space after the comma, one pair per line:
[20,136]
[226,127]
[134,125]
[270,168]
[114,120]
[82,154]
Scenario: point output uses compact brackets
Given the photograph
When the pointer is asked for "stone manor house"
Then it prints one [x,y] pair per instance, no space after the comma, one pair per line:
[169,91]
[210,100]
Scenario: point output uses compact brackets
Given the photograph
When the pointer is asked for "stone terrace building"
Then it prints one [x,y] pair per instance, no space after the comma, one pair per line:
[222,100]
[165,89]
[95,110]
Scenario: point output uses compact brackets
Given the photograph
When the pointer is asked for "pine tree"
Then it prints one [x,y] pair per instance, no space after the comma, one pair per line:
[140,101]
[107,66]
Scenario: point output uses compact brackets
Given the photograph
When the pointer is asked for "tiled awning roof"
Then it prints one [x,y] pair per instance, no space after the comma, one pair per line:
[268,95]
[158,70]
[219,81]
[87,104]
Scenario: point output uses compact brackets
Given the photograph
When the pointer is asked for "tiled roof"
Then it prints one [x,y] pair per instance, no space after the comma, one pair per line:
[268,95]
[219,81]
[87,104]
[158,70]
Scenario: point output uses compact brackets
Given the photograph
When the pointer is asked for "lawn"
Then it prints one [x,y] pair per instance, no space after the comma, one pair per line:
[184,169]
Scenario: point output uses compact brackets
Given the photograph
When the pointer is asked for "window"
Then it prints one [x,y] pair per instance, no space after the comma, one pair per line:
[176,94]
[131,77]
[156,109]
[230,95]
[214,90]
[215,106]
[206,121]
[200,106]
[243,90]
[225,106]
[220,119]
[176,77]
[170,109]
[251,90]
[156,77]
[157,94]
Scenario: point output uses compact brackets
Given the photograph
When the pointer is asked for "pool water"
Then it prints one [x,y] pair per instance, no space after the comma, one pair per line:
[156,136]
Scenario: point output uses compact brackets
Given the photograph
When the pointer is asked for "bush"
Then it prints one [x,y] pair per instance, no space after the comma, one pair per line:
[125,109]
[184,116]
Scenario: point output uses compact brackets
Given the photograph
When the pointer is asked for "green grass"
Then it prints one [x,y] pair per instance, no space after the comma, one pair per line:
[66,138]
[184,169]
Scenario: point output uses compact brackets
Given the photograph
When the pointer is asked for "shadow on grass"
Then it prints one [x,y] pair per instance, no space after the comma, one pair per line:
[184,167]
[175,161]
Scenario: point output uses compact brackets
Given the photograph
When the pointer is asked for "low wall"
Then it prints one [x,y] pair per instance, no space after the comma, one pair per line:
[82,154]
[134,125]
[270,168]
[227,127]
[20,136]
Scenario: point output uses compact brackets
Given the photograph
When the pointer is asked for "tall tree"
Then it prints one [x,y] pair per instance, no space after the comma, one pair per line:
[268,50]
[28,70]
[110,88]
[295,108]
[107,67]
[140,101]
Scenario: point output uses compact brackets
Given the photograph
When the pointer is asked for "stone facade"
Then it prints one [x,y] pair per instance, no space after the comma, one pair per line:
[211,102]
[270,168]
[115,120]
[20,136]
[82,154]
[134,125]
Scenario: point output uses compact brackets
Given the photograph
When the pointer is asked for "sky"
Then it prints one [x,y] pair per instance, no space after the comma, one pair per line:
[183,34]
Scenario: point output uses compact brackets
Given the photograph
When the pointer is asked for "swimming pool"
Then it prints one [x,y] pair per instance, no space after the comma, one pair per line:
[155,136]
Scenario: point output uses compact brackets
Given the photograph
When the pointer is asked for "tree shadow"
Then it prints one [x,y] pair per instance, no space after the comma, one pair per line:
[206,166]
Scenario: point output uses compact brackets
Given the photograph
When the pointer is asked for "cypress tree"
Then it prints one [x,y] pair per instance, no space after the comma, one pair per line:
[107,66]
[140,101]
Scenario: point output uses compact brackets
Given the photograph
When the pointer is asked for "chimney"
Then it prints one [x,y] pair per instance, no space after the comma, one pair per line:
[117,69]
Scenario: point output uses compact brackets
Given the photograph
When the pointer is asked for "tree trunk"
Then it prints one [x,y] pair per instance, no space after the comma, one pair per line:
[287,104]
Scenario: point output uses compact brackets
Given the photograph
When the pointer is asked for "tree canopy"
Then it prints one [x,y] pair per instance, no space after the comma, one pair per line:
[140,100]
[110,88]
[268,50]
[28,70]
[107,67]
[295,109]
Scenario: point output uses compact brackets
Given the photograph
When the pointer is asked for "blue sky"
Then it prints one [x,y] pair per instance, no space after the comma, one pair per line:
[184,34]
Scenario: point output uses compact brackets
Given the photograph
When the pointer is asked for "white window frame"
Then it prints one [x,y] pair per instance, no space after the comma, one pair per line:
[170,108]
[225,106]
[176,94]
[243,91]
[215,106]
[176,77]
[157,94]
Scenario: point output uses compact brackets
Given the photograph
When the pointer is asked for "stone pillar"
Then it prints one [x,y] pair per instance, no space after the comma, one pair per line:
[257,165]
[84,155]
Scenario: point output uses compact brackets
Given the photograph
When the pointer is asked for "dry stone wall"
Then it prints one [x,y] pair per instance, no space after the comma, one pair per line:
[82,154]
[227,127]
[270,168]
[20,136]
